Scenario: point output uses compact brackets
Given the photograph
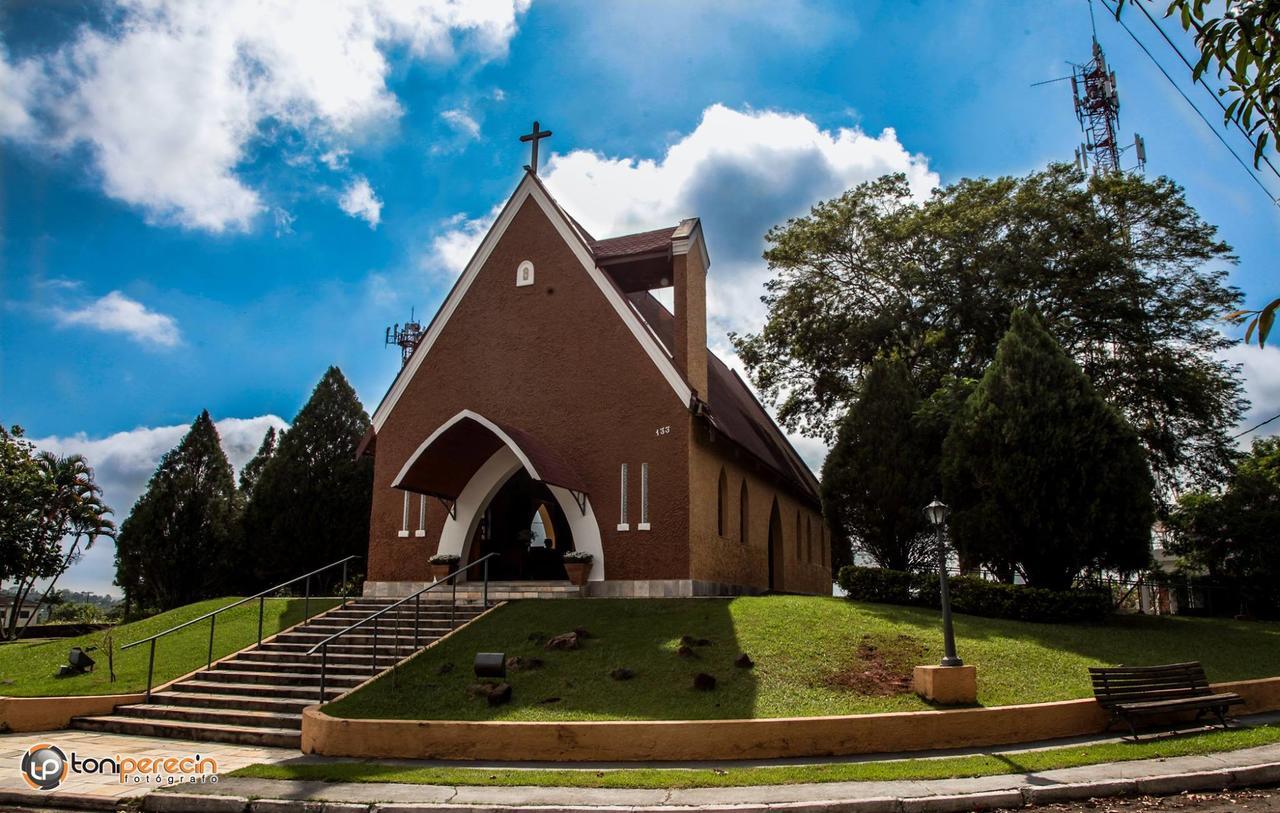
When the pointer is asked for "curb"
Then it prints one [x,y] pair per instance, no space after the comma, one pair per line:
[1160,785]
[58,801]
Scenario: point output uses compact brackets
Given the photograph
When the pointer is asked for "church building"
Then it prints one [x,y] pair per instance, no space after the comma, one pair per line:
[554,404]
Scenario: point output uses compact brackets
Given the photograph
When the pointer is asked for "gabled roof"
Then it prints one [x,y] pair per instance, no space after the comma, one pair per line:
[575,237]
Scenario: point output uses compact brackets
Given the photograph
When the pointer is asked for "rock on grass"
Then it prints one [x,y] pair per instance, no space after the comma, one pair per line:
[704,682]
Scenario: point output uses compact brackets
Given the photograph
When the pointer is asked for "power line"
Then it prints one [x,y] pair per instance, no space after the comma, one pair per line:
[1259,426]
[1192,105]
[1200,81]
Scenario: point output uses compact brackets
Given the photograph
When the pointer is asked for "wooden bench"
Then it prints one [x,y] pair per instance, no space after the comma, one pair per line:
[1129,692]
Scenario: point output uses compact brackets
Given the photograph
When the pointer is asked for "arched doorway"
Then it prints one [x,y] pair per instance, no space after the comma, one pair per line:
[776,548]
[527,529]
[469,460]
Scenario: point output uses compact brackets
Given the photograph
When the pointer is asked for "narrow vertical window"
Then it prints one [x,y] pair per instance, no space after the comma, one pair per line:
[644,497]
[808,521]
[799,538]
[722,498]
[744,515]
[404,518]
[422,516]
[622,502]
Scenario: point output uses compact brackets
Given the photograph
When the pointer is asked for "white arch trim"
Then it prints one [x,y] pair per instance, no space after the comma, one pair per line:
[466,414]
[469,508]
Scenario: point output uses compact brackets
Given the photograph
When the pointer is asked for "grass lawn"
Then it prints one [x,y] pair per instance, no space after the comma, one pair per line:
[28,668]
[813,656]
[936,768]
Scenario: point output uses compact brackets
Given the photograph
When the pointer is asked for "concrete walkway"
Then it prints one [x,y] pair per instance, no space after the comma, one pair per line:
[1249,767]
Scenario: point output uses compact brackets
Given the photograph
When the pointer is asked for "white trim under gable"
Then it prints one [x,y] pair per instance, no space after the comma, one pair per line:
[529,187]
[465,414]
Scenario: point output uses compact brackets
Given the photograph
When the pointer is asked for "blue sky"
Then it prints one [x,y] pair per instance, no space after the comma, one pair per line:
[205,206]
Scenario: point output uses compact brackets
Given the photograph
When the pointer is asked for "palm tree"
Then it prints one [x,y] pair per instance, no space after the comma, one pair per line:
[74,510]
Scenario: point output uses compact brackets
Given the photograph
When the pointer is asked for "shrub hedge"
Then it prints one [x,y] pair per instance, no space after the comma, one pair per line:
[975,596]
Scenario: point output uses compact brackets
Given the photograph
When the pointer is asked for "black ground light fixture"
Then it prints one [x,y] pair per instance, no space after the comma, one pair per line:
[491,664]
[937,513]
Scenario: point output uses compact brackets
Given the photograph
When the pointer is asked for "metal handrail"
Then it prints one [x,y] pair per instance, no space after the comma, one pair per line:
[213,616]
[450,579]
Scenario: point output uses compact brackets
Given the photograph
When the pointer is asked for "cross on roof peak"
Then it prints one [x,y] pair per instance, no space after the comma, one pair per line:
[535,136]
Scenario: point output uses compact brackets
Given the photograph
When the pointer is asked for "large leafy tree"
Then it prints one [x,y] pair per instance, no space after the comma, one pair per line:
[1231,534]
[878,475]
[311,503]
[1127,277]
[178,544]
[1045,478]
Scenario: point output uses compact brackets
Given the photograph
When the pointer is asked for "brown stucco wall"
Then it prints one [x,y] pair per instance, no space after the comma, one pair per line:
[555,360]
[717,558]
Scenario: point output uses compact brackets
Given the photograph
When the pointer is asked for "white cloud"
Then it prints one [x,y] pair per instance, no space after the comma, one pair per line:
[117,313]
[124,462]
[360,201]
[463,122]
[17,91]
[171,96]
[1261,368]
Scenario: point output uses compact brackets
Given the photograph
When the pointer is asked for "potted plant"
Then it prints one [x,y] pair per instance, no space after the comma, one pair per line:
[442,564]
[577,563]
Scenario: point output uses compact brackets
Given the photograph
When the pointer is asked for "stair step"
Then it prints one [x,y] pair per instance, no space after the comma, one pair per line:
[205,732]
[221,700]
[336,656]
[189,714]
[310,668]
[256,691]
[278,678]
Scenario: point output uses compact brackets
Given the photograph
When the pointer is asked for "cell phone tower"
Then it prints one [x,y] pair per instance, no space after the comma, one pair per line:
[405,336]
[1097,104]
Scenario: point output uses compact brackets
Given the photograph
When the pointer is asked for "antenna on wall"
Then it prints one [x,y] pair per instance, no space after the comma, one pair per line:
[406,337]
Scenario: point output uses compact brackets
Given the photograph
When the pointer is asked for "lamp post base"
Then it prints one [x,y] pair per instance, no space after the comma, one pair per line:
[952,662]
[946,685]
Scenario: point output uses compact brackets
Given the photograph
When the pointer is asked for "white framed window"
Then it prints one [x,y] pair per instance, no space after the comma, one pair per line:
[422,516]
[404,518]
[644,498]
[524,274]
[622,502]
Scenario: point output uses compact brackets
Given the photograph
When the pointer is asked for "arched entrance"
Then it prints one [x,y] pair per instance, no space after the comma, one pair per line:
[482,470]
[776,548]
[526,527]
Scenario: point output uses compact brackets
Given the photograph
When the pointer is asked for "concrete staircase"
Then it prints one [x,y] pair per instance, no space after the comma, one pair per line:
[256,696]
[474,591]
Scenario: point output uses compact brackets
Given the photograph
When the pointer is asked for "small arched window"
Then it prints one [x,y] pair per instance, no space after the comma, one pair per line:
[743,513]
[722,498]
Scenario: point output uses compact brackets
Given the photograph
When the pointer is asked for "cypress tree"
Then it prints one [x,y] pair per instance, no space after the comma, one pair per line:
[252,470]
[177,544]
[1044,477]
[878,476]
[310,505]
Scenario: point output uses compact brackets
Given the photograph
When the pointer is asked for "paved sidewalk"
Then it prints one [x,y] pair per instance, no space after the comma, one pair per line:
[1249,767]
[90,744]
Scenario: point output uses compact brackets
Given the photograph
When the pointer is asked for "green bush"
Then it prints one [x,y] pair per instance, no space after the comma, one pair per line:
[974,596]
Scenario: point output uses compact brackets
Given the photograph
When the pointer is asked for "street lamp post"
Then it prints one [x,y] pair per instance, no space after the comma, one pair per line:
[937,513]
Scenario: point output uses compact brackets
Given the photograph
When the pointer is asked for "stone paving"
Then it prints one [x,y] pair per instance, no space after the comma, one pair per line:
[88,744]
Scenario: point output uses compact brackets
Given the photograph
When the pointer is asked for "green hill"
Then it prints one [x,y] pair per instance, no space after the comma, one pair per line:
[28,668]
[813,656]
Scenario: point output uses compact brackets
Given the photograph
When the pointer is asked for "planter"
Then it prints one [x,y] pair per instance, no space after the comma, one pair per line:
[577,572]
[439,572]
